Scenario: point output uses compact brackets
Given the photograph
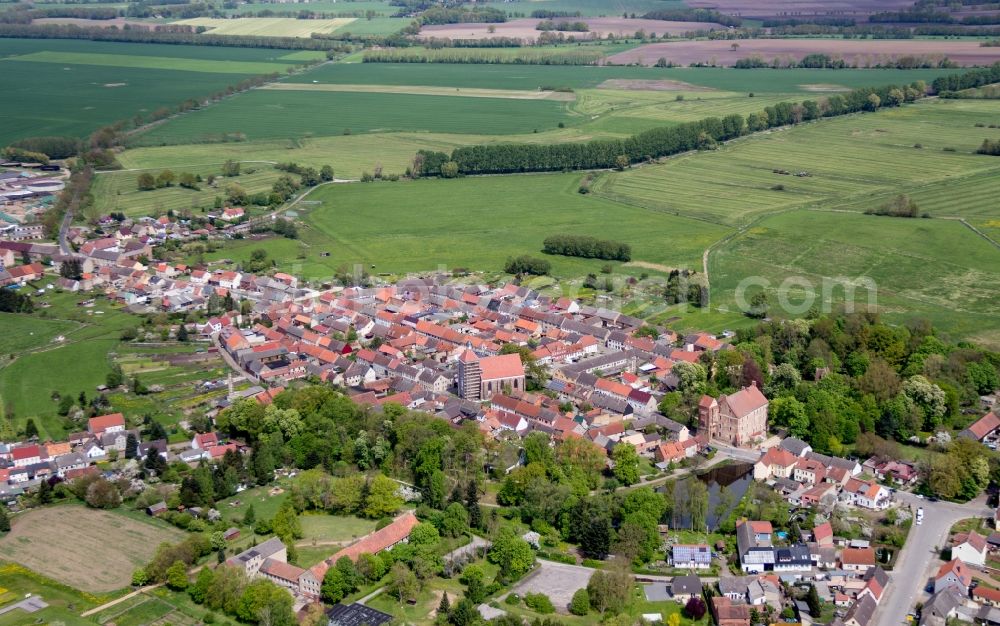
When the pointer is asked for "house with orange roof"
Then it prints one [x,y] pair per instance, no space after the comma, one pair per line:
[857,559]
[111,423]
[953,574]
[382,539]
[984,429]
[866,494]
[775,463]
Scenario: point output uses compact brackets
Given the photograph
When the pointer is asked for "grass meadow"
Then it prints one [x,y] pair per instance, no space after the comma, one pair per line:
[118,191]
[478,222]
[737,183]
[937,269]
[72,87]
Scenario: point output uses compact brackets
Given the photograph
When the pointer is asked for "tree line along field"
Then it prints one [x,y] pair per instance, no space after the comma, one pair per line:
[72,87]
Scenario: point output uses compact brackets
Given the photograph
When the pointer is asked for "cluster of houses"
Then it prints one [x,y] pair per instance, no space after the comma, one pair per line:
[958,593]
[446,350]
[24,465]
[807,478]
[845,574]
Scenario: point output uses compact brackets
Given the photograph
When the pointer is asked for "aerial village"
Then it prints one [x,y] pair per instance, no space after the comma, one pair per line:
[463,351]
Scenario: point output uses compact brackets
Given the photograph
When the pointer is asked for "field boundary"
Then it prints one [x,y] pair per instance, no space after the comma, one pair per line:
[417,90]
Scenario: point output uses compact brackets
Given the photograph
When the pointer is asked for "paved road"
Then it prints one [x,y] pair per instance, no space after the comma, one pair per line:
[28,605]
[922,549]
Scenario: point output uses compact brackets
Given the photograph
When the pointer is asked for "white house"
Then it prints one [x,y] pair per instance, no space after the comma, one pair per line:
[970,548]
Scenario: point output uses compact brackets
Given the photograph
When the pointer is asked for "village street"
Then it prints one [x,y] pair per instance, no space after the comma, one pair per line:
[921,551]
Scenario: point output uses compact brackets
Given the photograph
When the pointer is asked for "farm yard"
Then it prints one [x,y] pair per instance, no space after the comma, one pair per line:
[92,550]
[857,53]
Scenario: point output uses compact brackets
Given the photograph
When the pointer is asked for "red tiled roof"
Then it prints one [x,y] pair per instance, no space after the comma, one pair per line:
[372,543]
[858,556]
[822,532]
[503,366]
[25,452]
[957,567]
[974,539]
[284,571]
[985,425]
[987,594]
[101,423]
[746,401]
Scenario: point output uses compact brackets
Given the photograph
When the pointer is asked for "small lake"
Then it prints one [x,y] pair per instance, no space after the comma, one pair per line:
[733,478]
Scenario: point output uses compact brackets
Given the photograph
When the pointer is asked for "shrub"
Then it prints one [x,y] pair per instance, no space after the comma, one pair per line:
[580,604]
[539,602]
[512,599]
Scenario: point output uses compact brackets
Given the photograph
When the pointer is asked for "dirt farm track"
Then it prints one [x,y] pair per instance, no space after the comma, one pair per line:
[860,52]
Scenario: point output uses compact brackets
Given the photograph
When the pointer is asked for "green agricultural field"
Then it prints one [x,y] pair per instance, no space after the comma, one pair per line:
[72,87]
[937,269]
[738,182]
[349,155]
[151,62]
[265,114]
[267,26]
[584,77]
[118,190]
[478,222]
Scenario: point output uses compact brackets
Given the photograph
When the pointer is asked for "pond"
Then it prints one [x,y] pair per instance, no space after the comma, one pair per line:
[727,484]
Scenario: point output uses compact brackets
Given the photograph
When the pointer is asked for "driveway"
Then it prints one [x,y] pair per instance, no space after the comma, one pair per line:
[559,581]
[921,553]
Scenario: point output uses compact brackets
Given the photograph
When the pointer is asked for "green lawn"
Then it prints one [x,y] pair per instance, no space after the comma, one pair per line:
[65,603]
[27,384]
[334,527]
[264,504]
